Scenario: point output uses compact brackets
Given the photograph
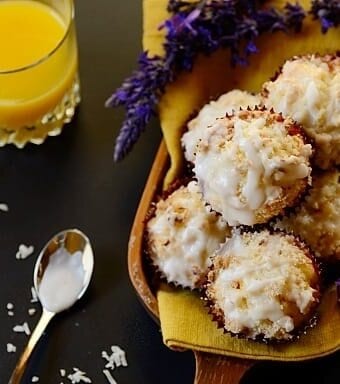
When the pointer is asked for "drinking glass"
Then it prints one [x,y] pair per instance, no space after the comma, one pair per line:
[39,86]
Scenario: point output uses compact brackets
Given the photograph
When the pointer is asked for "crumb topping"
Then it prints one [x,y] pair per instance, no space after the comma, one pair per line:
[225,104]
[263,283]
[246,161]
[317,220]
[182,235]
[308,90]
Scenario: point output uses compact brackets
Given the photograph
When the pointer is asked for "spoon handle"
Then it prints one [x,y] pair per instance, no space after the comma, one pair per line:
[38,331]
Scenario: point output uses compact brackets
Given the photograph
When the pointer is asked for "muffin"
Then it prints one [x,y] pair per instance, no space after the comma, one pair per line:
[308,89]
[263,285]
[181,235]
[317,219]
[251,165]
[225,104]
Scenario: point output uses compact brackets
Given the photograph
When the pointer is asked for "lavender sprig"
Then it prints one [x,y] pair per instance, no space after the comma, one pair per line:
[328,12]
[194,28]
[139,95]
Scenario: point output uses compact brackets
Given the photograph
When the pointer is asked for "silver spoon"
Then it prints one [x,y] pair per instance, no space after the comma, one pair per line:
[72,241]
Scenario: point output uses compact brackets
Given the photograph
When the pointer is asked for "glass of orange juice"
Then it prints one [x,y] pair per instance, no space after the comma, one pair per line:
[39,87]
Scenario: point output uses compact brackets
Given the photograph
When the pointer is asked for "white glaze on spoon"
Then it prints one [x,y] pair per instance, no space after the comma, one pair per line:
[63,280]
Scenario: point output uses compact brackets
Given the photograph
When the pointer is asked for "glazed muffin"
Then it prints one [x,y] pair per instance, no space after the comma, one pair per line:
[317,219]
[308,89]
[225,104]
[251,165]
[263,285]
[181,235]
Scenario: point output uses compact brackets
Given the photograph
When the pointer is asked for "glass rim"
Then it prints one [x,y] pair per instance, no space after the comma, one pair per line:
[50,53]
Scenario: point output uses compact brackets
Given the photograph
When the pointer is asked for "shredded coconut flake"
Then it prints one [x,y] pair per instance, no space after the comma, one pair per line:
[10,313]
[35,379]
[31,311]
[34,298]
[78,376]
[62,372]
[24,251]
[11,348]
[109,377]
[116,359]
[4,207]
[22,329]
[9,306]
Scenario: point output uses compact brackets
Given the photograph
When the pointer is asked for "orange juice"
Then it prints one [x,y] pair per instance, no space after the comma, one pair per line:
[38,60]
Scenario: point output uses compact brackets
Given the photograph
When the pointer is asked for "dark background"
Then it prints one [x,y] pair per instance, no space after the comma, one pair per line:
[71,181]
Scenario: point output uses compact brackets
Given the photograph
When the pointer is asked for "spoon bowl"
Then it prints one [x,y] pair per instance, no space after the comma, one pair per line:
[72,241]
[66,257]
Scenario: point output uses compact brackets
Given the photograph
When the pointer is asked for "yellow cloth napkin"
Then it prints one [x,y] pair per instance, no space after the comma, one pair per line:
[186,323]
[184,320]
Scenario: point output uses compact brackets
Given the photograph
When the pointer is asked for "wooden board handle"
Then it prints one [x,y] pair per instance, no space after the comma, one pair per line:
[216,369]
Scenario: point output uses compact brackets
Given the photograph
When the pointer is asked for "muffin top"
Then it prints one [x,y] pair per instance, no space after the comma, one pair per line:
[317,219]
[308,90]
[262,285]
[251,165]
[182,234]
[225,104]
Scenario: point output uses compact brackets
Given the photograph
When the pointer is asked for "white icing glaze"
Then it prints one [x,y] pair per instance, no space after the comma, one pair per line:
[300,91]
[226,103]
[317,220]
[263,272]
[242,172]
[183,234]
[308,90]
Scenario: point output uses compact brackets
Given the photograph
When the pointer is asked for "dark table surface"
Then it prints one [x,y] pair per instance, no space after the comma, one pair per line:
[71,181]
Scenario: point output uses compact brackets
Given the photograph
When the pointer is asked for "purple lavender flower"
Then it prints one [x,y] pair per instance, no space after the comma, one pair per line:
[251,48]
[202,27]
[294,16]
[139,95]
[337,285]
[328,12]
